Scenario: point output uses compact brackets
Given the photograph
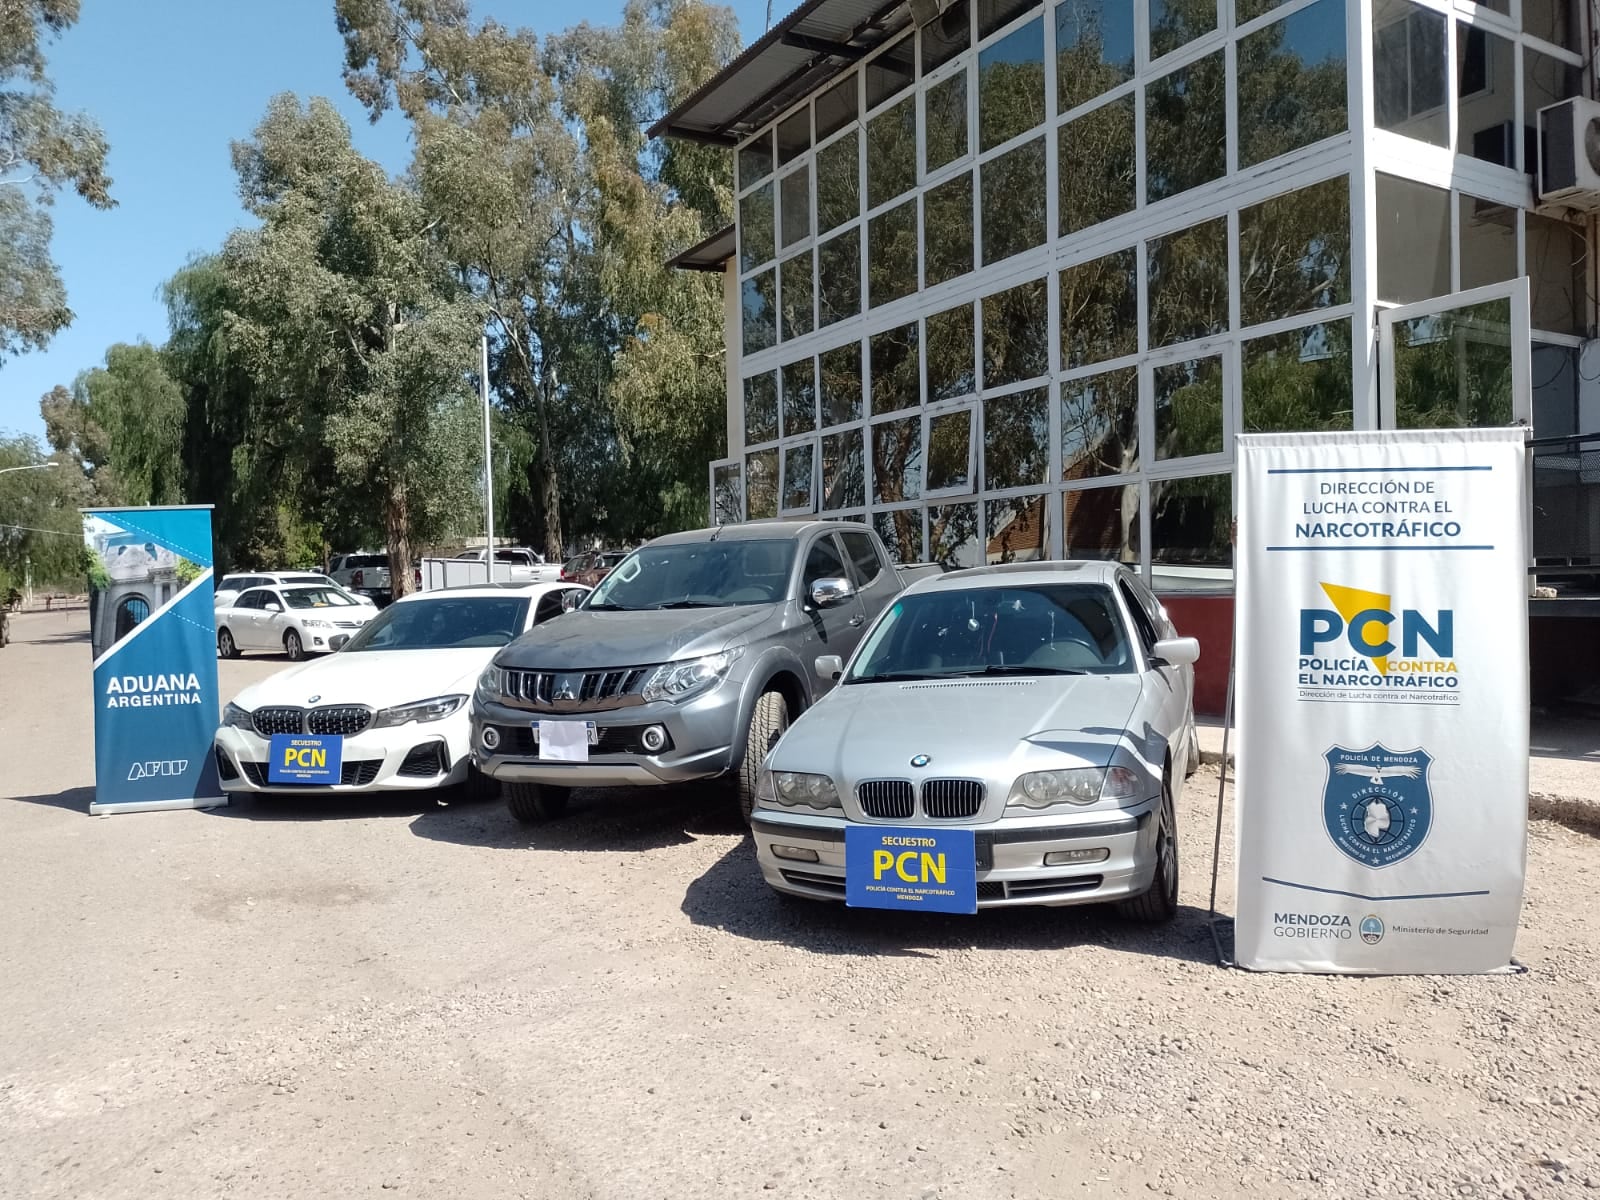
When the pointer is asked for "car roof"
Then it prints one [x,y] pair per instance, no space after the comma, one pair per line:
[1025,574]
[491,589]
[757,531]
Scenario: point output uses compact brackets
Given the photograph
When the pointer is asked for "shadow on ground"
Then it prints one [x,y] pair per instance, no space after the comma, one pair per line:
[25,638]
[75,799]
[279,806]
[616,819]
[733,897]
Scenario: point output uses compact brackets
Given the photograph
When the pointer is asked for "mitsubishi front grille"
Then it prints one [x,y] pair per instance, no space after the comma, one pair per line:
[567,691]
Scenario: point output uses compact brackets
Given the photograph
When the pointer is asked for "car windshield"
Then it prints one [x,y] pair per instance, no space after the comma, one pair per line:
[316,597]
[709,574]
[322,579]
[608,561]
[365,560]
[445,623]
[1043,629]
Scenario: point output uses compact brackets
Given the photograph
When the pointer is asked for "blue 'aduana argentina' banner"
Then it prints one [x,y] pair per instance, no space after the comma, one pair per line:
[155,657]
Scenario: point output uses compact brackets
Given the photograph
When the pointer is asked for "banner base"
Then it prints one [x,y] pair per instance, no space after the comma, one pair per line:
[106,810]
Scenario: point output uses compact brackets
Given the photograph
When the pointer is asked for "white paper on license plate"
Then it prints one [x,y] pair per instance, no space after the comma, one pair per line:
[566,741]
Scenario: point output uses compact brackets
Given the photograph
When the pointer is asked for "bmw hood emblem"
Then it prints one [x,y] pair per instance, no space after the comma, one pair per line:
[312,699]
[921,760]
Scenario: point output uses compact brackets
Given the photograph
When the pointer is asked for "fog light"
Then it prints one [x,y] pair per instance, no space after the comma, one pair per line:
[653,738]
[490,738]
[795,853]
[1067,858]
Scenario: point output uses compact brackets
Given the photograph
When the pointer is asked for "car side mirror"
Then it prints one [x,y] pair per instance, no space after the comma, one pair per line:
[1177,652]
[829,667]
[274,608]
[337,641]
[825,593]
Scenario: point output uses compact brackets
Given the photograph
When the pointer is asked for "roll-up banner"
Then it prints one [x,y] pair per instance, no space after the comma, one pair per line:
[1382,700]
[155,658]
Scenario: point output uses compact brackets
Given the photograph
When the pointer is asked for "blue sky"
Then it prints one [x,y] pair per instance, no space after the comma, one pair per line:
[172,83]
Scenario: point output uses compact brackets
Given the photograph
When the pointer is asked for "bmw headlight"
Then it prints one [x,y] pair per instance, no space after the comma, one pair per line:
[435,709]
[1076,785]
[796,788]
[237,717]
[681,680]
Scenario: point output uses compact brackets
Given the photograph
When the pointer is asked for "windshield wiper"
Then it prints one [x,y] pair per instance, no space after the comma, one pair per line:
[689,604]
[603,606]
[1002,669]
[897,677]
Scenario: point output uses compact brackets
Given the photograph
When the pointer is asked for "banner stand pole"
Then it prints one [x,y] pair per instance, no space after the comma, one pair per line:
[1216,842]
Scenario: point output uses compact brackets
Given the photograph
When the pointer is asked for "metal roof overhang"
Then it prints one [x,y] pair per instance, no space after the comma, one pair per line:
[709,255]
[799,54]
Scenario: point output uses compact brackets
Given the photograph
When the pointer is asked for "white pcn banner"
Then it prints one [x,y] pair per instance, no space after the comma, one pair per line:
[1382,700]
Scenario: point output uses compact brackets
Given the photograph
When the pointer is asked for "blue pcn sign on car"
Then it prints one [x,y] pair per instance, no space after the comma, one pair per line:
[298,758]
[930,870]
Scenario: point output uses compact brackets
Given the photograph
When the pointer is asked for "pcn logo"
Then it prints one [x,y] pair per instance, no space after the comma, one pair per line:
[153,770]
[1366,621]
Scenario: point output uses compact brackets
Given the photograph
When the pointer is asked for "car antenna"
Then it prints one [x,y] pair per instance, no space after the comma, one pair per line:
[718,531]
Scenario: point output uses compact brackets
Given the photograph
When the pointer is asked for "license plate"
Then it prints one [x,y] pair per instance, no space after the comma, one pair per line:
[565,741]
[926,870]
[304,758]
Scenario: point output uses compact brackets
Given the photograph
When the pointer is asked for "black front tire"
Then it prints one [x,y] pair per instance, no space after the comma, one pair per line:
[293,647]
[535,803]
[479,787]
[768,720]
[226,646]
[1159,904]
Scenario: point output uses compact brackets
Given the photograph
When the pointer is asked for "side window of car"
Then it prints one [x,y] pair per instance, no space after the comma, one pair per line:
[248,600]
[864,555]
[1141,619]
[1159,620]
[823,562]
[270,601]
[549,606]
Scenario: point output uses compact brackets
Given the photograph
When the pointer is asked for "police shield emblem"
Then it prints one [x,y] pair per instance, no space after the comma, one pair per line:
[1376,804]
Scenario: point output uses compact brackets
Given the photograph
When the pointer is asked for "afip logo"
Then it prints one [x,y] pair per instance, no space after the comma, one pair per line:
[1366,620]
[172,768]
[1371,929]
[1376,804]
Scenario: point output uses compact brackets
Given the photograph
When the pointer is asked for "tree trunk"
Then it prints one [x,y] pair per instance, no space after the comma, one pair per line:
[549,484]
[397,538]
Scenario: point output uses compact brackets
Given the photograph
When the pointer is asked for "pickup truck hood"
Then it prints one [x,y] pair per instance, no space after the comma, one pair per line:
[585,640]
[980,728]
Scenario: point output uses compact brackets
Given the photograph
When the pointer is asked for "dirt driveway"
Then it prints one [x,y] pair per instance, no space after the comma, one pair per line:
[302,999]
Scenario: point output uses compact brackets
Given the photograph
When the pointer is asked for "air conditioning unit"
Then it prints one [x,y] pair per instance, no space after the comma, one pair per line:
[1569,165]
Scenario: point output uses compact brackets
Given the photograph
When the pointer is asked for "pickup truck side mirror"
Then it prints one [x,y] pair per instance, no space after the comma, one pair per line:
[825,593]
[1176,652]
[829,667]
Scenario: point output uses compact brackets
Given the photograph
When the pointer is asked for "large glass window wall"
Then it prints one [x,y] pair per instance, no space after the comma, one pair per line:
[1012,290]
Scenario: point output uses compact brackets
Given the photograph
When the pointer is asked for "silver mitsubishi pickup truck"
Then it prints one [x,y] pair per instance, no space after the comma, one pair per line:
[687,662]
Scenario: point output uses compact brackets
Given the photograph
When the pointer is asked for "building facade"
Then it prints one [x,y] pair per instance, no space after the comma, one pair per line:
[1006,283]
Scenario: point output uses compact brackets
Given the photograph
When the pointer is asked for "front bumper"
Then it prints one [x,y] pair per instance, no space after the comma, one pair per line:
[384,760]
[1011,852]
[699,743]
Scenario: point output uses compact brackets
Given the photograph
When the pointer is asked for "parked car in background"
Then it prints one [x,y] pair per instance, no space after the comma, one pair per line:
[590,569]
[230,587]
[688,662]
[515,564]
[395,697]
[293,619]
[365,574]
[1047,707]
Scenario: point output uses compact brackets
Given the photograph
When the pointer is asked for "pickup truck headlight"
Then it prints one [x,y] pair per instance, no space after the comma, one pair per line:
[492,684]
[681,680]
[435,709]
[794,788]
[237,717]
[1078,785]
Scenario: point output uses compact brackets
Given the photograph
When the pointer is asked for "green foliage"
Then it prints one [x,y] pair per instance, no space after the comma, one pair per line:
[42,150]
[133,413]
[40,529]
[187,572]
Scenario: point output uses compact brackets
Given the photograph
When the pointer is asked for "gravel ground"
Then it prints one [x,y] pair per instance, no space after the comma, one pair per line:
[378,998]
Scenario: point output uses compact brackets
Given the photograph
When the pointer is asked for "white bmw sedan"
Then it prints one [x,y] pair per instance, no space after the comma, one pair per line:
[1006,735]
[389,710]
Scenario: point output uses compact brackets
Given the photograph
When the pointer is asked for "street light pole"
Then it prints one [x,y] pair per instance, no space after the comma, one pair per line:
[488,461]
[44,466]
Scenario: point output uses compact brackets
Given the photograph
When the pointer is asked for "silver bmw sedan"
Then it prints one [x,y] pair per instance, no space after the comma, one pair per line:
[1005,735]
